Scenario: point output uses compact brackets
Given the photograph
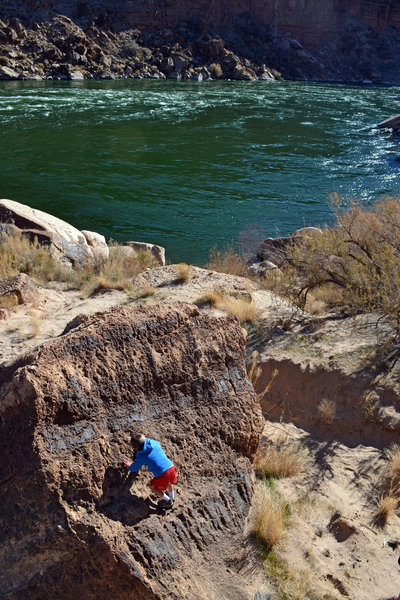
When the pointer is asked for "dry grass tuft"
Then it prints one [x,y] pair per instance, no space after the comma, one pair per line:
[393,466]
[183,273]
[246,311]
[268,515]
[34,323]
[211,298]
[327,410]
[242,308]
[386,507]
[282,460]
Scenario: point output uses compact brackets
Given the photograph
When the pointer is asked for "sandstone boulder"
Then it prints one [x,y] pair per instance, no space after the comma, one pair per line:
[22,287]
[274,250]
[98,244]
[65,242]
[158,252]
[71,523]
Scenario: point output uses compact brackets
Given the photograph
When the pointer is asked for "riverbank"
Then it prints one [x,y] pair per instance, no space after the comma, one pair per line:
[57,47]
[319,406]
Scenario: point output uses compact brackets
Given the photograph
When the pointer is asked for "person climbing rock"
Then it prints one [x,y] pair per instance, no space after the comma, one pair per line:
[149,453]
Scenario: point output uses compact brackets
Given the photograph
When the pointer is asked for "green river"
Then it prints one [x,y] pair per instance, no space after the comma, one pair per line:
[190,166]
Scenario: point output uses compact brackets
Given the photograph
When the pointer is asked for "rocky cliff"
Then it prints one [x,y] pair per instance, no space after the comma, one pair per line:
[72,524]
[329,40]
[312,22]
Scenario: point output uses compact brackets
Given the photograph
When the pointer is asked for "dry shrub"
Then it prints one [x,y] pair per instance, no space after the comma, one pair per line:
[356,263]
[392,470]
[393,466]
[19,255]
[183,273]
[215,70]
[228,261]
[327,410]
[268,515]
[386,507]
[281,460]
[212,298]
[242,308]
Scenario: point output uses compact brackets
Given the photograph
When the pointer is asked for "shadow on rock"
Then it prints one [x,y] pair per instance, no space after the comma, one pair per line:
[117,501]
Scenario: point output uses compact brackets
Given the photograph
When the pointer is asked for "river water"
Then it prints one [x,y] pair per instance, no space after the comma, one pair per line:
[190,166]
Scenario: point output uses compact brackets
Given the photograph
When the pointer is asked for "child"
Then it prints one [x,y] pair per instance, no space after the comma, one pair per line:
[150,453]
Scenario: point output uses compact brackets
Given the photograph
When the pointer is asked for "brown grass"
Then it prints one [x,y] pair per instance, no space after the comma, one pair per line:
[386,507]
[327,410]
[19,255]
[242,308]
[246,311]
[268,515]
[212,298]
[393,467]
[282,460]
[183,273]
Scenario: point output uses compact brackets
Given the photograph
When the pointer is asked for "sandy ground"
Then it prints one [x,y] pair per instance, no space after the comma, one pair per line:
[333,542]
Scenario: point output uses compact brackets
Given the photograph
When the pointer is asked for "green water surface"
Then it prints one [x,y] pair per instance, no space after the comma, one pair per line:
[190,165]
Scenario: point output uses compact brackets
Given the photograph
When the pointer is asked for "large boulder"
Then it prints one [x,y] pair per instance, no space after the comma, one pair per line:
[64,241]
[71,522]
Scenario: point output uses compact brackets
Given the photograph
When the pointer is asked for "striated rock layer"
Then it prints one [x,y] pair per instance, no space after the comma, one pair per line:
[71,522]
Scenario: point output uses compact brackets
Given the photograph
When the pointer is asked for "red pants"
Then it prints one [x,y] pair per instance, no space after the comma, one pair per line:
[161,483]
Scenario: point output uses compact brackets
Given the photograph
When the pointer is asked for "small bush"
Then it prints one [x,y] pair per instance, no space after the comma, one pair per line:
[393,467]
[215,70]
[356,264]
[19,255]
[268,515]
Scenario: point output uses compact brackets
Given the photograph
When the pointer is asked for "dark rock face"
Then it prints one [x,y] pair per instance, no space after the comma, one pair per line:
[72,524]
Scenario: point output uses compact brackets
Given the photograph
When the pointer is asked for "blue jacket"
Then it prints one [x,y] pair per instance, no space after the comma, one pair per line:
[153,456]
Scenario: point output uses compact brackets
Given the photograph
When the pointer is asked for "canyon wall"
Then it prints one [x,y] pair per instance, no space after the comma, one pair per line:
[312,22]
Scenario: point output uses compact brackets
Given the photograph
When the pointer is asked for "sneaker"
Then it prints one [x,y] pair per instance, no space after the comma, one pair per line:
[165,503]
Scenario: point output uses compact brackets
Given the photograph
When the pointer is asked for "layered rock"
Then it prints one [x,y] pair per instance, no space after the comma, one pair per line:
[71,523]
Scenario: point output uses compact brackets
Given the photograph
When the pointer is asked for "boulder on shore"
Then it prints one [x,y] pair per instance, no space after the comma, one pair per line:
[72,524]
[65,242]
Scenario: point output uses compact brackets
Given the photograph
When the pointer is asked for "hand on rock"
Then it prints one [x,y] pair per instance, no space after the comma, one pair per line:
[126,464]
